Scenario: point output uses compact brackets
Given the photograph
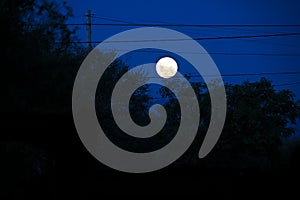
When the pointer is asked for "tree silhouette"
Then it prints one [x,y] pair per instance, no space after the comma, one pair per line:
[39,64]
[258,119]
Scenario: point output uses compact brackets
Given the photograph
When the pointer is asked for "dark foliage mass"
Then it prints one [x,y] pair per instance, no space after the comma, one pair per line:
[39,144]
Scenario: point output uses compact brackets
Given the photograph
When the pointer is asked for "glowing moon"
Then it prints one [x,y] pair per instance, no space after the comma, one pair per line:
[166,67]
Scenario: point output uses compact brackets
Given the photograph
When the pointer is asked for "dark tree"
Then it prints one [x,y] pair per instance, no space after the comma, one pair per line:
[258,118]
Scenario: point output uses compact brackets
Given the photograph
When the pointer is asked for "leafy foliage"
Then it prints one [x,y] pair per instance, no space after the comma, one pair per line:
[258,118]
[39,56]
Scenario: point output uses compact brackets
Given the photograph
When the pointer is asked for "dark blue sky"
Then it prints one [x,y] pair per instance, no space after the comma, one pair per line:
[212,12]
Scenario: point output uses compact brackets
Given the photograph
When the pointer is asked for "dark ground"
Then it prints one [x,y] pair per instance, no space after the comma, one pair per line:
[42,157]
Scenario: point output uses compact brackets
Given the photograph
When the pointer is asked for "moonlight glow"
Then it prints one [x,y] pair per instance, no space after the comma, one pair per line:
[166,67]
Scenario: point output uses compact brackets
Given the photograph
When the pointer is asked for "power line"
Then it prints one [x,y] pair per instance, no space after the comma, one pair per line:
[186,25]
[191,25]
[246,31]
[278,85]
[128,23]
[237,75]
[200,38]
[212,53]
[263,73]
[257,74]
[254,54]
[109,19]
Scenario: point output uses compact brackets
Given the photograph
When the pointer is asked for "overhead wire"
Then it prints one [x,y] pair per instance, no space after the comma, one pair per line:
[128,24]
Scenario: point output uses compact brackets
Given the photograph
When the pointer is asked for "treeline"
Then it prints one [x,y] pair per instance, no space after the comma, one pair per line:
[40,59]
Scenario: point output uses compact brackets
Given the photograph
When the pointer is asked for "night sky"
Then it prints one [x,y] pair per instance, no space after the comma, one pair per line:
[232,56]
[62,134]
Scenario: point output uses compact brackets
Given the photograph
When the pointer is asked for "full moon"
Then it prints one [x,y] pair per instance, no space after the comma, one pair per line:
[166,67]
